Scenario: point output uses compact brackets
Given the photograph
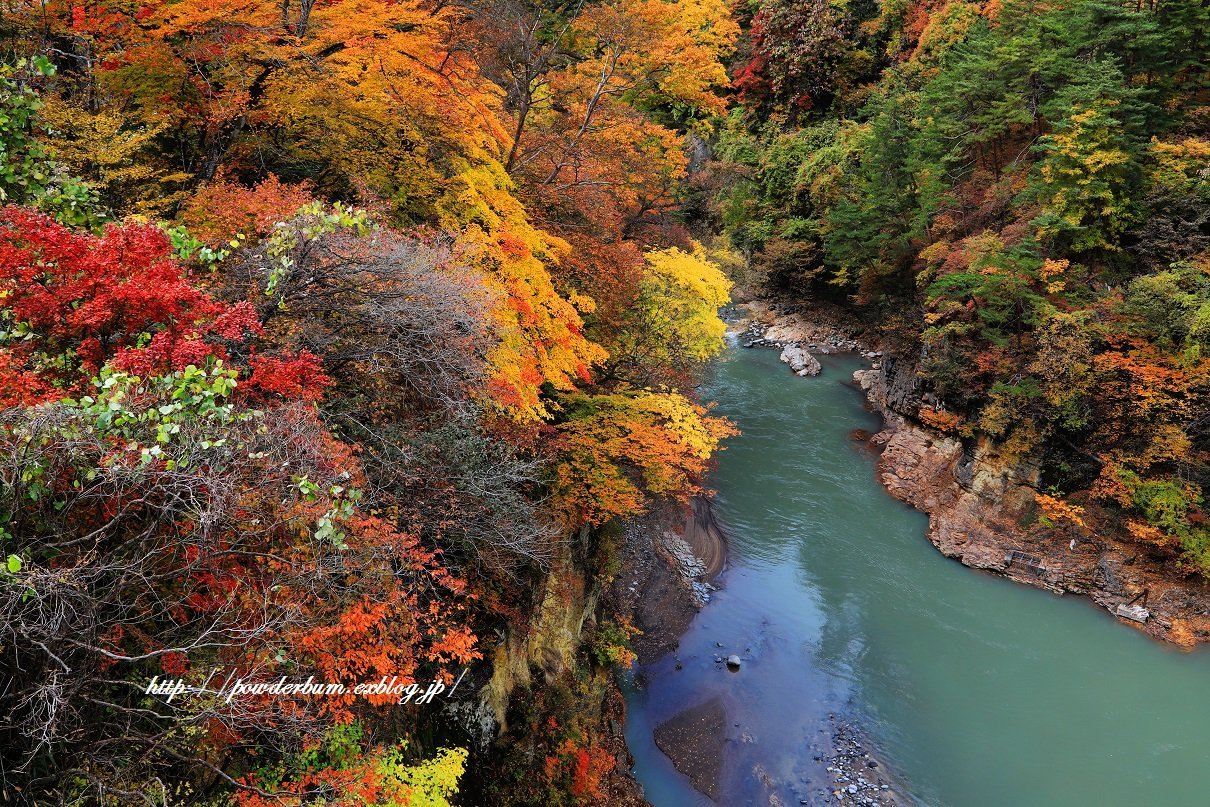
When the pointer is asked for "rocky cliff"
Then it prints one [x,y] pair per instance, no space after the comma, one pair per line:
[544,688]
[982,513]
[981,502]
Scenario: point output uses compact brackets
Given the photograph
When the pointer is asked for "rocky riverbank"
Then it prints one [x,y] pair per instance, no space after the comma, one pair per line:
[982,504]
[765,324]
[857,775]
[671,560]
[983,513]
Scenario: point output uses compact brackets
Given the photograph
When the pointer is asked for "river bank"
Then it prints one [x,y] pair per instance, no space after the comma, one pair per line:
[970,688]
[671,554]
[982,505]
[674,560]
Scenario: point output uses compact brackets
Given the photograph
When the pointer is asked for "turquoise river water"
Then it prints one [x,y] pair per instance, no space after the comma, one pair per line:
[977,691]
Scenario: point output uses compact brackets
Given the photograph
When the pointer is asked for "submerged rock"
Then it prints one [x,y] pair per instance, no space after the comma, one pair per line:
[733,662]
[694,740]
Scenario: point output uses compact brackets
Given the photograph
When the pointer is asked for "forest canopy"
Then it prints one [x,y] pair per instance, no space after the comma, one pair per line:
[323,332]
[336,337]
[1020,196]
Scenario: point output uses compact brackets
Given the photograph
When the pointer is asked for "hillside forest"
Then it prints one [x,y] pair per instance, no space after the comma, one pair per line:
[1019,195]
[333,333]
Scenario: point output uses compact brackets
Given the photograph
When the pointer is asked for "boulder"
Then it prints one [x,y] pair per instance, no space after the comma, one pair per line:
[800,361]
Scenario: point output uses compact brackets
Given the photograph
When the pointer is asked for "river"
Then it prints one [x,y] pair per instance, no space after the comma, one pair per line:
[977,691]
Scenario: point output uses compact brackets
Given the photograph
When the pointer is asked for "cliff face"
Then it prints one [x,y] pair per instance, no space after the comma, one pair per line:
[549,645]
[982,513]
[544,688]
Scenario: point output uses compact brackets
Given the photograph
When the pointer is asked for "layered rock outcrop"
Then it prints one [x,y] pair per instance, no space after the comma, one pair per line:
[982,512]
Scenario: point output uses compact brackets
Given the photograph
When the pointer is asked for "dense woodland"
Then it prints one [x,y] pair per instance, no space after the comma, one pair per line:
[1020,195]
[325,328]
[328,328]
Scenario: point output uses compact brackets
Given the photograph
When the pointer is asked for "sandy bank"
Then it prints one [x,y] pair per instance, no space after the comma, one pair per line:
[694,741]
[670,562]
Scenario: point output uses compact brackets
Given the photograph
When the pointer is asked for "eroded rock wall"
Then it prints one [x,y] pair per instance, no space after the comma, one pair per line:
[981,508]
[542,685]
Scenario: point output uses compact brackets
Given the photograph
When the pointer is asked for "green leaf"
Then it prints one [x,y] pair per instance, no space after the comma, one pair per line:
[43,65]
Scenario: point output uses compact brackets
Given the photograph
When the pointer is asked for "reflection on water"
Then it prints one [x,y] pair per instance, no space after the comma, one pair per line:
[981,692]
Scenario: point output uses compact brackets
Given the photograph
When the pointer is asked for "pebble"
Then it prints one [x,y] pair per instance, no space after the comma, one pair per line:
[847,765]
[691,568]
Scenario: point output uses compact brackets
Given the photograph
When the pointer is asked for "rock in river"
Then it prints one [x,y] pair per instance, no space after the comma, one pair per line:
[800,361]
[694,740]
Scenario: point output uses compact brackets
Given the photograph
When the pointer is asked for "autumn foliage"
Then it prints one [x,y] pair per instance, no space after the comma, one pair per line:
[322,326]
[78,300]
[1017,195]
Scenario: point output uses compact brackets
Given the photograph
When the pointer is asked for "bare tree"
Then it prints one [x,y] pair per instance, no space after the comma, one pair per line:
[400,310]
[406,326]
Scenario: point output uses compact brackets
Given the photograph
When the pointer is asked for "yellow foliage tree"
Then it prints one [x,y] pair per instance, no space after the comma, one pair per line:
[542,337]
[117,156]
[674,323]
[621,449]
[681,294]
